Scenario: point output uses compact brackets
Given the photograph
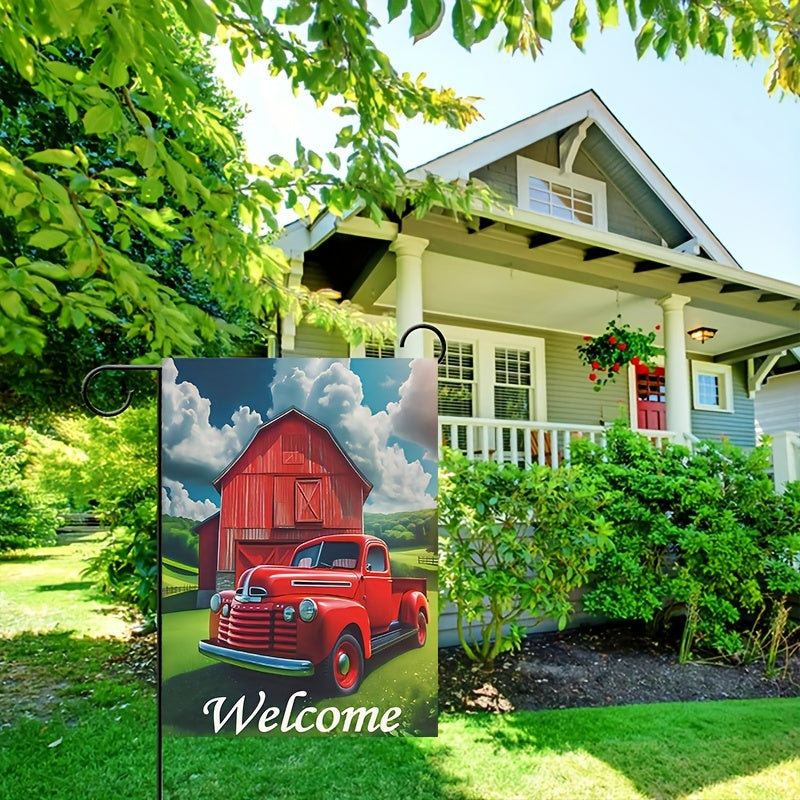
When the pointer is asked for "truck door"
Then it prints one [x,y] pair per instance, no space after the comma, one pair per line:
[377,594]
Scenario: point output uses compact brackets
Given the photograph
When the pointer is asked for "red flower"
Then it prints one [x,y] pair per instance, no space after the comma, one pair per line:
[635,361]
[622,346]
[587,338]
[615,368]
[612,339]
[595,365]
[592,376]
[658,327]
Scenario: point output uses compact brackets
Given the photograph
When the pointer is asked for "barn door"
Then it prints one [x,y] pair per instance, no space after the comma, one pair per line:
[651,398]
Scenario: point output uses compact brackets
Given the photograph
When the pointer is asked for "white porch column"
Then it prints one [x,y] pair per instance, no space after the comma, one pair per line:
[288,325]
[785,459]
[676,367]
[408,251]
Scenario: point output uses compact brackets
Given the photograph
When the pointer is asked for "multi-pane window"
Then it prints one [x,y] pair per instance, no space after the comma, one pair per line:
[512,383]
[456,379]
[560,201]
[376,349]
[708,390]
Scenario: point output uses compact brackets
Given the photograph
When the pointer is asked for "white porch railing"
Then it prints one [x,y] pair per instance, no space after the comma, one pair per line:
[531,442]
[785,458]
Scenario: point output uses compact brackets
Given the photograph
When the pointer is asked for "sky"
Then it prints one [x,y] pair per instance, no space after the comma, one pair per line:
[381,411]
[727,146]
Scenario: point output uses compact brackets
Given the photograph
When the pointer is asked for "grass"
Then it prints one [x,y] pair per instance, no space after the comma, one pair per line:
[74,727]
[42,589]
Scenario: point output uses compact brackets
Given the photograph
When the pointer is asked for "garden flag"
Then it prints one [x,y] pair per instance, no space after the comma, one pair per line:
[298,549]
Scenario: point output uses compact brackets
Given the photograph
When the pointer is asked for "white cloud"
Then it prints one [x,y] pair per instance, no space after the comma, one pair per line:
[331,394]
[176,502]
[192,447]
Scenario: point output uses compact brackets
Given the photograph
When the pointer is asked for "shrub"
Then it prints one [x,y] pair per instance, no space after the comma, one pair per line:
[699,533]
[518,540]
[28,518]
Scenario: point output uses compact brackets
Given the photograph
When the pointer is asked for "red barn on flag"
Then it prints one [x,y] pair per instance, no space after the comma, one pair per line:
[291,483]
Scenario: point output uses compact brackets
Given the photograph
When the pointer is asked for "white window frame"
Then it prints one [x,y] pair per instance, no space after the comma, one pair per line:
[528,168]
[483,348]
[724,374]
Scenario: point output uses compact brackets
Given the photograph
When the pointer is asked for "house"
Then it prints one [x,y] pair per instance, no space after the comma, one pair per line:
[588,228]
[291,483]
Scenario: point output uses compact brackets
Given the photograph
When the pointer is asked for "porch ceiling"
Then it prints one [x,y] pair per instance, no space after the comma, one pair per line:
[506,272]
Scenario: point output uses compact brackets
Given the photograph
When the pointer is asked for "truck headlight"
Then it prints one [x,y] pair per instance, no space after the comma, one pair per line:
[288,613]
[226,610]
[307,609]
[215,603]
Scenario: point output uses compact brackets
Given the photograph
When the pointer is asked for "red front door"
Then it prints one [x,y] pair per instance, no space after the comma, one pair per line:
[651,398]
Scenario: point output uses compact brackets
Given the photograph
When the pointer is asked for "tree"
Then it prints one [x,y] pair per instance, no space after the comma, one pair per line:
[78,218]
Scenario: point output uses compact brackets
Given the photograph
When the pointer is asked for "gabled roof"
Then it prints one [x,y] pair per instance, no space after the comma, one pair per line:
[616,147]
[292,411]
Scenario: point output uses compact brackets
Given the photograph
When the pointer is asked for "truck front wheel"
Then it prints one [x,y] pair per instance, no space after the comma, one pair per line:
[343,669]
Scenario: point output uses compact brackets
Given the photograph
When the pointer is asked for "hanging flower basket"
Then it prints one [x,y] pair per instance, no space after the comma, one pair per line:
[618,345]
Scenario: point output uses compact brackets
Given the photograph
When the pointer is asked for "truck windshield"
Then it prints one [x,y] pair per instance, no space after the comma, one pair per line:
[337,555]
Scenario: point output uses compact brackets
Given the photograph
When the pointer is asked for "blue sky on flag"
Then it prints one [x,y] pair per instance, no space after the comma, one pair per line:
[707,122]
[381,411]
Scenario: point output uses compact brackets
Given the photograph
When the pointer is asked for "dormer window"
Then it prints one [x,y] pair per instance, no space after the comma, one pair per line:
[544,189]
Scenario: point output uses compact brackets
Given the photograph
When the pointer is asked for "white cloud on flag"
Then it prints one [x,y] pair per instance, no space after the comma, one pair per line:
[191,446]
[175,502]
[333,395]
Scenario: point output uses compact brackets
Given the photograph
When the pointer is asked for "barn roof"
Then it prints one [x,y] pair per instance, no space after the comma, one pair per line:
[289,412]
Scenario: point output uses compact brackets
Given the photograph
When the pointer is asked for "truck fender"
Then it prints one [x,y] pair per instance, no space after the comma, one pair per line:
[336,614]
[410,605]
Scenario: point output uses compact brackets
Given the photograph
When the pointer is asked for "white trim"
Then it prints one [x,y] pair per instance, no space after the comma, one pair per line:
[484,343]
[528,168]
[724,374]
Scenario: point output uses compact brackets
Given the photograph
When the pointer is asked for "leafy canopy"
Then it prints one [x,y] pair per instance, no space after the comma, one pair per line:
[183,184]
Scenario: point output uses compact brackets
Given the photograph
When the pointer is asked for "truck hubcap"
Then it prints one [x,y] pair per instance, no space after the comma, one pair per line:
[343,663]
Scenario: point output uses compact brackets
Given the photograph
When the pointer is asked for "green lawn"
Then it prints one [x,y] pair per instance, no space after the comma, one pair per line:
[76,726]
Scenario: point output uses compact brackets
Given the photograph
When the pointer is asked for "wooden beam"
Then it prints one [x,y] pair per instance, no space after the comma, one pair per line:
[756,350]
[727,288]
[693,277]
[648,266]
[541,239]
[593,253]
[771,297]
[755,379]
[483,224]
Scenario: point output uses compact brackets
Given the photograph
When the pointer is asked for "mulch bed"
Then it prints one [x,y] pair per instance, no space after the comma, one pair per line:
[599,666]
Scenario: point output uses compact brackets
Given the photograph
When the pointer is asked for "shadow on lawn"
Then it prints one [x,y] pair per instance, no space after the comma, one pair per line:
[69,586]
[666,750]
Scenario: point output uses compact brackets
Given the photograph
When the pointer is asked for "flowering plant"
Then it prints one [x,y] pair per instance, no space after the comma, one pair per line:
[617,346]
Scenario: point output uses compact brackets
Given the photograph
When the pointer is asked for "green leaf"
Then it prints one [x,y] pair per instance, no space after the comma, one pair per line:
[396,8]
[62,158]
[12,304]
[201,17]
[608,12]
[579,24]
[464,23]
[99,119]
[630,8]
[543,19]
[426,17]
[645,37]
[47,238]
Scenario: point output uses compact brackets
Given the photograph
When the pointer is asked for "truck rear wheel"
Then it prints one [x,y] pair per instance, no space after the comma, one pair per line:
[343,669]
[422,629]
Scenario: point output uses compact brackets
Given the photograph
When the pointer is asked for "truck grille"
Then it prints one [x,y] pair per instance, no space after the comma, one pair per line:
[259,627]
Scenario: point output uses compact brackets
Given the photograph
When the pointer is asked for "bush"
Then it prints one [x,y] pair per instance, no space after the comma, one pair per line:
[28,518]
[698,533]
[518,540]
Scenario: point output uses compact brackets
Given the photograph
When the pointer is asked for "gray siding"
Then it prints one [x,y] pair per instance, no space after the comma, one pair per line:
[738,427]
[314,342]
[570,393]
[778,404]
